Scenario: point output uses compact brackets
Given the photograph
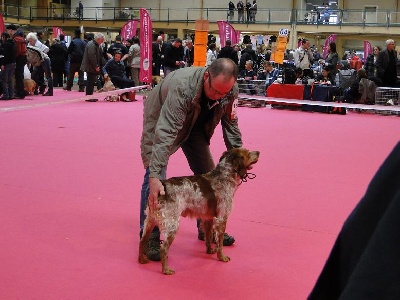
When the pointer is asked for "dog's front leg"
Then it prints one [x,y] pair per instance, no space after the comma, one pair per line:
[219,227]
[208,234]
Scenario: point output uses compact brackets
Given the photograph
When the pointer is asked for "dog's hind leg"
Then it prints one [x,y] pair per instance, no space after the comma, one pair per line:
[149,225]
[168,239]
[208,234]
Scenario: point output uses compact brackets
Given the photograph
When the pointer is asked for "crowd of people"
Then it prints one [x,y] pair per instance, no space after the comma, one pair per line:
[55,63]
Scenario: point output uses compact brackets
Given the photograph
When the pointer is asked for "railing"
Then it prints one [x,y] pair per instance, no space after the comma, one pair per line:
[388,18]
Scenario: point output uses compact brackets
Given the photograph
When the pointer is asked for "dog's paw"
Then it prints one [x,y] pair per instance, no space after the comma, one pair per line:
[223,258]
[168,271]
[143,259]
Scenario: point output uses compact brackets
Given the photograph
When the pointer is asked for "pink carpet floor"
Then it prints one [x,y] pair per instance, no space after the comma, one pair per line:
[70,178]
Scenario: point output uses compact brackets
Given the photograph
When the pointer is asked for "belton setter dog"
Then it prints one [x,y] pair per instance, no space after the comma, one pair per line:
[208,197]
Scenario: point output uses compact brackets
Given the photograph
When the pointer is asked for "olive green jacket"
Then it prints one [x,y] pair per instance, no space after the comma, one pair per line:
[170,112]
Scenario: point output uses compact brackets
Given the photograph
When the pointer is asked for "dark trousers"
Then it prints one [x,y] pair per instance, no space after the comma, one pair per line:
[73,68]
[91,80]
[19,76]
[122,83]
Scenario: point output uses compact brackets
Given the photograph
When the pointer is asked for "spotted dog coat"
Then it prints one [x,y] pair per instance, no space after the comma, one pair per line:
[208,197]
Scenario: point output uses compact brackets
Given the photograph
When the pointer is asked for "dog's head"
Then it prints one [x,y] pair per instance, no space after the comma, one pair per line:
[240,159]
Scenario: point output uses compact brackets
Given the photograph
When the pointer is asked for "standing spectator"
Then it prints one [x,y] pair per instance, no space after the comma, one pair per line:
[20,60]
[211,54]
[58,55]
[80,11]
[231,11]
[117,45]
[75,53]
[64,44]
[331,61]
[41,68]
[370,62]
[188,53]
[92,63]
[229,52]
[386,65]
[183,112]
[248,6]
[303,58]
[253,11]
[115,70]
[158,52]
[240,9]
[173,57]
[134,55]
[8,66]
[247,54]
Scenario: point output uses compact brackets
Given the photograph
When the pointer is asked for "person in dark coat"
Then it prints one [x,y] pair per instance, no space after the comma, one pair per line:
[158,52]
[8,66]
[173,56]
[93,62]
[386,65]
[75,52]
[58,55]
[247,54]
[228,52]
[364,262]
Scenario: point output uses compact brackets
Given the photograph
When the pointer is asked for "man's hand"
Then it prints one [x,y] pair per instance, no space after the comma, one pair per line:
[156,189]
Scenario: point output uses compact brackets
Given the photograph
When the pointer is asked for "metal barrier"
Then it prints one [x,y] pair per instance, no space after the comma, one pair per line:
[252,87]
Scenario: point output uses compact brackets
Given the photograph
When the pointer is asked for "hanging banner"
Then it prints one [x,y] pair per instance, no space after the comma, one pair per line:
[57,31]
[146,32]
[329,39]
[2,27]
[367,49]
[128,31]
[227,32]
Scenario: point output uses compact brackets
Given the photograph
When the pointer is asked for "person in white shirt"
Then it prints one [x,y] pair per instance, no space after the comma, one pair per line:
[43,68]
[211,54]
[303,58]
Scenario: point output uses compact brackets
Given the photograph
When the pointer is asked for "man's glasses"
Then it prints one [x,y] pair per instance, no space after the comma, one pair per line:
[214,91]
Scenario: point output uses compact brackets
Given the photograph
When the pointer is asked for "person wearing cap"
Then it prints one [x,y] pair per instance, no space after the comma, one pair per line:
[173,56]
[20,59]
[115,70]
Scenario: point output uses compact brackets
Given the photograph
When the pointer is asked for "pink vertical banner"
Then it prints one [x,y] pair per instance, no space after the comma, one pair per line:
[146,32]
[329,39]
[57,31]
[367,49]
[2,27]
[129,30]
[227,32]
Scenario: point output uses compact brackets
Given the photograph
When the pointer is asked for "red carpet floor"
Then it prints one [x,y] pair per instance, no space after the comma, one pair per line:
[70,178]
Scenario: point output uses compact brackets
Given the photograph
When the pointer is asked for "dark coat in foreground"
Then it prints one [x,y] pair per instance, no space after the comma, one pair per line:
[365,261]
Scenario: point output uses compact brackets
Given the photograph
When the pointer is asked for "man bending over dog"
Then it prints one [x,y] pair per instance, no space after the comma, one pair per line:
[182,111]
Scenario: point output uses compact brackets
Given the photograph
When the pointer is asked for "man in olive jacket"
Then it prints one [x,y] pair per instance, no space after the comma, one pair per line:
[182,111]
[92,62]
